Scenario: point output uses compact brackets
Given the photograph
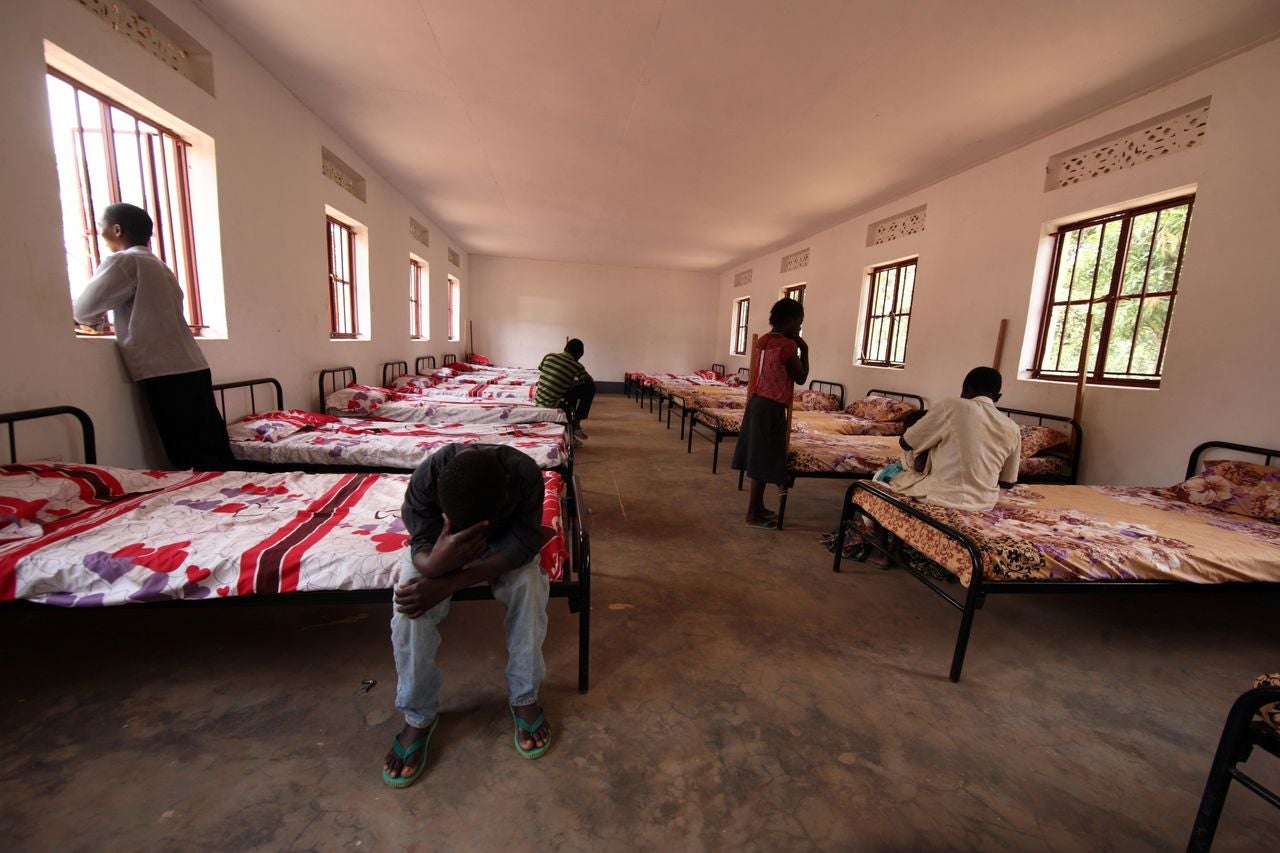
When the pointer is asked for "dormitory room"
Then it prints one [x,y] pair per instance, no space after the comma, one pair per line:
[620,425]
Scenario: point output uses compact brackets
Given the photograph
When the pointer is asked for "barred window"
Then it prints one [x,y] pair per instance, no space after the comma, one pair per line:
[884,337]
[741,315]
[1123,268]
[455,309]
[107,154]
[342,279]
[795,291]
[419,289]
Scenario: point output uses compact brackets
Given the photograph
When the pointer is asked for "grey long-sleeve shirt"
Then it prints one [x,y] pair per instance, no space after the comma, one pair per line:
[151,330]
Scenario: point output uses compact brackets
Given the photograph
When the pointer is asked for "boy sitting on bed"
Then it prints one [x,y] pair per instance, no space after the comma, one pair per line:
[474,515]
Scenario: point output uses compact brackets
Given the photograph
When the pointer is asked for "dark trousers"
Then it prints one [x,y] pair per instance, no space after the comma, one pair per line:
[577,402]
[188,420]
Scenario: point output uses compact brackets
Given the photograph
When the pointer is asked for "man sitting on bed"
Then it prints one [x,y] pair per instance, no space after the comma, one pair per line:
[563,383]
[973,448]
[474,515]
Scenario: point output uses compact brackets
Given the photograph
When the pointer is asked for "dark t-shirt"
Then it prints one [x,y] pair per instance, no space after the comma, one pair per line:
[515,529]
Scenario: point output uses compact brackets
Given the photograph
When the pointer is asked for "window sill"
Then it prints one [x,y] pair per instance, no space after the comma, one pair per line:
[1071,382]
[857,363]
[344,340]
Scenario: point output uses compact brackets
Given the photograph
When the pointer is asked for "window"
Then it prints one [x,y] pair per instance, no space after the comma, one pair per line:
[455,309]
[795,291]
[1122,268]
[884,338]
[738,335]
[419,291]
[342,279]
[107,154]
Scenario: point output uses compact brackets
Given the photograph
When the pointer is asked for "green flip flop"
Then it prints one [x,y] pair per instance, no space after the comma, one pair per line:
[403,753]
[530,728]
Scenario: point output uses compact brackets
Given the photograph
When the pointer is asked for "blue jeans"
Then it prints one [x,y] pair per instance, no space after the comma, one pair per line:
[524,592]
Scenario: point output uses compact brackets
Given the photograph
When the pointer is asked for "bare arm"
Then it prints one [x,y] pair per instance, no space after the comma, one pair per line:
[798,364]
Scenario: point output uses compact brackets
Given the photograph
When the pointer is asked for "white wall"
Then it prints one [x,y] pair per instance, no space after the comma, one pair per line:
[977,264]
[628,318]
[271,198]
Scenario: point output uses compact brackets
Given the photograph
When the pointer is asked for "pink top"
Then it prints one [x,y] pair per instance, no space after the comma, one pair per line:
[769,359]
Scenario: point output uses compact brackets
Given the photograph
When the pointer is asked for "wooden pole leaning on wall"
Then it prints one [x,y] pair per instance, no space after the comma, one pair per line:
[1082,373]
[995,361]
[471,338]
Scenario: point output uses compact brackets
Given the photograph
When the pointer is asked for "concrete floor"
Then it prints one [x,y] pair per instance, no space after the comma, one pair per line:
[744,697]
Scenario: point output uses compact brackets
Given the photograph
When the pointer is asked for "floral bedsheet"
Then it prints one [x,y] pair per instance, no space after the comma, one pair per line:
[1093,533]
[90,536]
[831,424]
[410,408]
[284,438]
[857,455]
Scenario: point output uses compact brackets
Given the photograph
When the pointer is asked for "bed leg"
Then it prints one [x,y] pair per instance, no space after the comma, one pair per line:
[742,477]
[683,412]
[966,626]
[782,507]
[715,454]
[584,633]
[689,449]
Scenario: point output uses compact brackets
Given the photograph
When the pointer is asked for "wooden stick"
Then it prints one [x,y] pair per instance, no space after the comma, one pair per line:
[471,338]
[1083,370]
[995,362]
[751,368]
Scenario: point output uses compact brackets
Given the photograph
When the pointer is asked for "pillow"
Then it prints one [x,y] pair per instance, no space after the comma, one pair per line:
[358,399]
[459,367]
[412,383]
[274,426]
[816,401]
[1037,439]
[709,374]
[876,408]
[477,358]
[1243,488]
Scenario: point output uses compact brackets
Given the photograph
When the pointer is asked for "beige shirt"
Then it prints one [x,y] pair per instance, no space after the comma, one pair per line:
[151,330]
[972,445]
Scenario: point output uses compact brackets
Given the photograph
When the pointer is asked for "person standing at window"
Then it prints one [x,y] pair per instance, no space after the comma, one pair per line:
[155,341]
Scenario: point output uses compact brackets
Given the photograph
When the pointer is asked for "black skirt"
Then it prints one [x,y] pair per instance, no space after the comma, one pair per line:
[762,444]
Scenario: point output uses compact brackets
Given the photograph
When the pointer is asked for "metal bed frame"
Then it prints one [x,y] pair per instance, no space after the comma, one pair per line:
[449,358]
[565,470]
[338,378]
[1073,430]
[392,370]
[670,400]
[575,588]
[1240,734]
[422,362]
[980,588]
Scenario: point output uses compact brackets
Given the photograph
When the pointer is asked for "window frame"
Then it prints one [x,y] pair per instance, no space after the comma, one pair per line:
[418,272]
[795,288]
[1111,297]
[454,331]
[181,235]
[741,325]
[352,302]
[894,316]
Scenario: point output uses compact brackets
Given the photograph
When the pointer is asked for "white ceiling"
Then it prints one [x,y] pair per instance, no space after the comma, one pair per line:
[689,134]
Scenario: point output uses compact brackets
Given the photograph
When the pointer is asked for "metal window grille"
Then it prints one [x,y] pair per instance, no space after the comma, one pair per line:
[1123,268]
[107,154]
[342,279]
[795,291]
[741,315]
[884,336]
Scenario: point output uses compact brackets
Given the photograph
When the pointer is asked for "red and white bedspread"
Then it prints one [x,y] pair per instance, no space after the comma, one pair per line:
[305,438]
[88,536]
[364,401]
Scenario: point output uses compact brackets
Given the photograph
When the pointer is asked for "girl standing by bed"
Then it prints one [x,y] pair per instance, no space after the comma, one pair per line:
[779,361]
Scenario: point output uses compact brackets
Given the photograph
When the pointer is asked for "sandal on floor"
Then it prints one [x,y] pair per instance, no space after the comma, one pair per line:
[403,753]
[764,524]
[530,729]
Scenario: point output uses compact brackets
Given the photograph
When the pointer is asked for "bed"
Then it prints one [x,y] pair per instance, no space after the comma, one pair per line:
[293,440]
[1065,538]
[817,412]
[342,395]
[85,535]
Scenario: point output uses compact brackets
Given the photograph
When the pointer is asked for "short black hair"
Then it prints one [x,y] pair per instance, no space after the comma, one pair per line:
[575,348]
[785,309]
[135,223]
[471,488]
[983,382]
